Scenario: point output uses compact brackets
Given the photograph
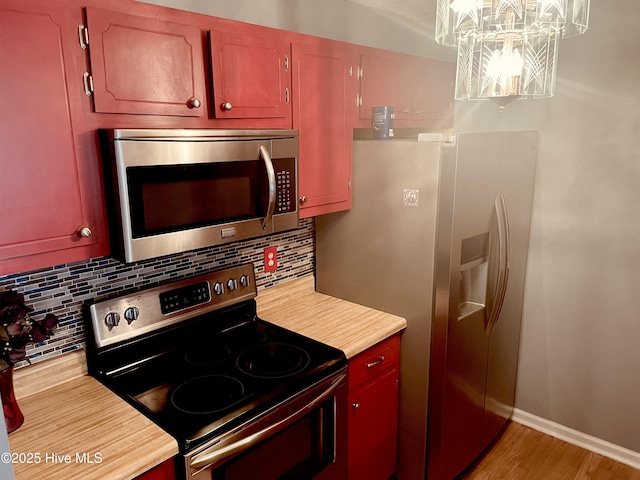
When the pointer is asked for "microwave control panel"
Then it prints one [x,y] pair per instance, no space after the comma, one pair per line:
[285,185]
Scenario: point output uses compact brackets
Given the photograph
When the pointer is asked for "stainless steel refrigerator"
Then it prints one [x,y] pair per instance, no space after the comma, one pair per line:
[438,234]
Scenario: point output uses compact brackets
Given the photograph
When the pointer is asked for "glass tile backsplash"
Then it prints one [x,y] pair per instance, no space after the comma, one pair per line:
[63,289]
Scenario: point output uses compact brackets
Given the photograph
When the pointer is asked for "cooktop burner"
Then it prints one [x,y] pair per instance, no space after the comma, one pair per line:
[207,394]
[273,360]
[209,351]
[203,369]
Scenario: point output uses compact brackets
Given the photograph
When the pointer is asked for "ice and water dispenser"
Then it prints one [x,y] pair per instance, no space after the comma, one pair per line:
[474,271]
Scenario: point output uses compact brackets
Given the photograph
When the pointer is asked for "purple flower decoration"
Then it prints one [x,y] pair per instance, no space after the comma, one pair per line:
[49,322]
[14,329]
[17,330]
[17,354]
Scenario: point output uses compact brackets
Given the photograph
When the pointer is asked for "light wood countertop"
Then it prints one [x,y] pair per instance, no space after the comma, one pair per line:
[348,326]
[71,413]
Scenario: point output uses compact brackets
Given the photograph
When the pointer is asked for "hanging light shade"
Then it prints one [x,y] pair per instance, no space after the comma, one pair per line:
[508,48]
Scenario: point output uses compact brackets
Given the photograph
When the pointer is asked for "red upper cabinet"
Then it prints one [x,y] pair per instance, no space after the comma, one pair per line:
[51,209]
[420,89]
[385,79]
[323,96]
[433,92]
[251,77]
[145,66]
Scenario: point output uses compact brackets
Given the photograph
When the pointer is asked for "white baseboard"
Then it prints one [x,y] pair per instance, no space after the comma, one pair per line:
[593,444]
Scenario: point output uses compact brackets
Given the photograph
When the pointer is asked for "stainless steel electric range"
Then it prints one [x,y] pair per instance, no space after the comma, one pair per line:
[243,398]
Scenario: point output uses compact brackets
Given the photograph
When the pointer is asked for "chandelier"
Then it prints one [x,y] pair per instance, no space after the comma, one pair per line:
[508,49]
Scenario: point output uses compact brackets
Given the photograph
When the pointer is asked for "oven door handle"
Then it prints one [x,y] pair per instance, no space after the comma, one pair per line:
[271,179]
[215,455]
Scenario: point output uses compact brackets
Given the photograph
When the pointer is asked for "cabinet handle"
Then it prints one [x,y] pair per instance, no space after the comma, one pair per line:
[195,103]
[405,110]
[356,406]
[226,106]
[83,35]
[84,231]
[88,83]
[303,199]
[418,112]
[377,362]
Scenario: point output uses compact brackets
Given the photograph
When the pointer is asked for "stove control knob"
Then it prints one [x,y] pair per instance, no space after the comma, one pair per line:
[112,319]
[245,281]
[218,288]
[131,314]
[232,284]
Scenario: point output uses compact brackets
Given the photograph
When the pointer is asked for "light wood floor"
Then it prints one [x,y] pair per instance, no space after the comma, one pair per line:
[523,453]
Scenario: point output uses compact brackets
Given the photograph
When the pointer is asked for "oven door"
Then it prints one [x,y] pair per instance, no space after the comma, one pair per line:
[301,438]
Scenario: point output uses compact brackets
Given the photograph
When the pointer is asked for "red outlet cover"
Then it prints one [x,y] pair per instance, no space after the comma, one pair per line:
[270,259]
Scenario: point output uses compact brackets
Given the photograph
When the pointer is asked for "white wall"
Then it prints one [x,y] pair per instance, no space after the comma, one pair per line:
[580,356]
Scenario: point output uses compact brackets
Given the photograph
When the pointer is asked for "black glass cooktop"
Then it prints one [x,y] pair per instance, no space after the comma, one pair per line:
[208,376]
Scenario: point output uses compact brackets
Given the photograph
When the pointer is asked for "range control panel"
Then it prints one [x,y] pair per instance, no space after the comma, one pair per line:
[185,297]
[122,318]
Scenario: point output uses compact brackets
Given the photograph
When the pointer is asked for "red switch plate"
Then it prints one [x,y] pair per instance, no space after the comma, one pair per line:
[270,259]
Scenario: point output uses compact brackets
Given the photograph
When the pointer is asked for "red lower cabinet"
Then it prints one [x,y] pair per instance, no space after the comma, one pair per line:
[164,471]
[373,412]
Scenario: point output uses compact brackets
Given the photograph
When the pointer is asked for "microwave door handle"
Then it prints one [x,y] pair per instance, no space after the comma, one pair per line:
[271,178]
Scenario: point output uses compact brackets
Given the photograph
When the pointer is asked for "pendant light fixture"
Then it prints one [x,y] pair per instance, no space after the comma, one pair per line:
[508,49]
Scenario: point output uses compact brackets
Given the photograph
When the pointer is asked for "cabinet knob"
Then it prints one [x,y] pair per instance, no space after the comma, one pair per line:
[356,406]
[418,112]
[405,110]
[195,103]
[226,106]
[84,231]
[303,199]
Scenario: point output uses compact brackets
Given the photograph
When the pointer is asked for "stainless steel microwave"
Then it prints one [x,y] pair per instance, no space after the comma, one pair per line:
[176,190]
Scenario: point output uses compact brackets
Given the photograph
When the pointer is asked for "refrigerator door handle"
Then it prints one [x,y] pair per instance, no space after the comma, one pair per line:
[504,258]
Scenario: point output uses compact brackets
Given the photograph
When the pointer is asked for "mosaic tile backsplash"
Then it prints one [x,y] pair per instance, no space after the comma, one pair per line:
[64,289]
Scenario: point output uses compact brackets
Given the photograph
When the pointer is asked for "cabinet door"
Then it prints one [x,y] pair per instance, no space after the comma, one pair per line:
[145,66]
[385,80]
[432,92]
[373,428]
[320,113]
[49,190]
[164,471]
[251,76]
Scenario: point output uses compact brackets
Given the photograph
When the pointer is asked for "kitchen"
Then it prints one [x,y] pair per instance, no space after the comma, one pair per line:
[575,370]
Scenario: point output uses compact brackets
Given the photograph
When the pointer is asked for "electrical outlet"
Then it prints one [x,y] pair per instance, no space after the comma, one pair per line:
[270,259]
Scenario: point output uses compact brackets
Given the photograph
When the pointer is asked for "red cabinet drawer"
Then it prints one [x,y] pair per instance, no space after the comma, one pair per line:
[374,361]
